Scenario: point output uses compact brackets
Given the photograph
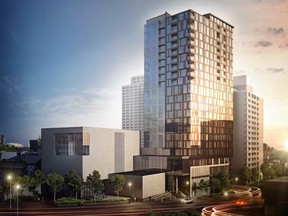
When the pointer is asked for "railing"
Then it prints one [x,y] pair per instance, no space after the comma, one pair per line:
[182,194]
[161,196]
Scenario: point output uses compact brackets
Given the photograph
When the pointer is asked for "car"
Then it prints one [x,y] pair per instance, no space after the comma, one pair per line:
[188,200]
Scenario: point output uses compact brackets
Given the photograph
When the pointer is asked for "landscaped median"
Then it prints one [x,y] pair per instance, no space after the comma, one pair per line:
[71,201]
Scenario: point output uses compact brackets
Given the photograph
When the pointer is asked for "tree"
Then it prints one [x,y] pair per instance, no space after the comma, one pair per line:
[268,171]
[8,148]
[24,182]
[255,175]
[94,183]
[117,182]
[55,181]
[5,188]
[224,181]
[203,185]
[279,168]
[36,180]
[73,181]
[246,175]
[265,171]
[214,184]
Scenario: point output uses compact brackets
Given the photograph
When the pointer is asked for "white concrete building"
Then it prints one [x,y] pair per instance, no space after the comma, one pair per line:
[133,105]
[85,149]
[247,127]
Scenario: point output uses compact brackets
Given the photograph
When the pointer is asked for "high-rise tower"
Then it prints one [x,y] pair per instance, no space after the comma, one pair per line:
[132,105]
[188,104]
[248,127]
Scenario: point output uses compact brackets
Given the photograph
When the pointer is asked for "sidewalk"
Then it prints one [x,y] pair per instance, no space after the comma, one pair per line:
[40,204]
[27,204]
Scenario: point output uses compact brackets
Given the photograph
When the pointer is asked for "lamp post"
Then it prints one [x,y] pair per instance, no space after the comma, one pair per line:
[9,177]
[17,189]
[236,180]
[187,184]
[129,185]
[226,195]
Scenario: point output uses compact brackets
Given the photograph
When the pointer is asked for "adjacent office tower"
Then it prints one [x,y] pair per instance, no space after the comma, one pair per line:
[132,105]
[188,107]
[248,127]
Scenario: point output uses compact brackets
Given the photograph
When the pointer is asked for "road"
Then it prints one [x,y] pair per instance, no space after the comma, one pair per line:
[237,204]
[135,208]
[242,203]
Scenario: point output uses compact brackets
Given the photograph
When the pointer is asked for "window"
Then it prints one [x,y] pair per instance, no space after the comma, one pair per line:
[72,143]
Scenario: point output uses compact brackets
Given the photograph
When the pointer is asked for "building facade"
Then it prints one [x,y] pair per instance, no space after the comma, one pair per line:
[188,104]
[85,149]
[141,184]
[248,127]
[133,106]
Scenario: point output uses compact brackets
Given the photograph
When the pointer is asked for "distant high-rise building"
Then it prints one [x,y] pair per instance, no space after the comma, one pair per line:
[35,145]
[133,105]
[2,139]
[188,96]
[248,127]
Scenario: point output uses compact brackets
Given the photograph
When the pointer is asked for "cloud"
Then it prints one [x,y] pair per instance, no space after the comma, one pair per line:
[276,70]
[276,31]
[10,86]
[283,46]
[263,44]
[96,107]
[6,84]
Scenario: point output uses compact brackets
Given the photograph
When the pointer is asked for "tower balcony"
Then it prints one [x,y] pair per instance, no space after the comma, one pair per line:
[174,21]
[174,38]
[174,53]
[174,68]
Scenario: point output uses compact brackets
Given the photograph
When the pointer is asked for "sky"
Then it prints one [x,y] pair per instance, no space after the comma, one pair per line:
[63,62]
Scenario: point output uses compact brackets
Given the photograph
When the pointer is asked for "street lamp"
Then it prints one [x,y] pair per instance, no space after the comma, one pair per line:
[236,180]
[9,177]
[187,184]
[17,190]
[129,185]
[226,195]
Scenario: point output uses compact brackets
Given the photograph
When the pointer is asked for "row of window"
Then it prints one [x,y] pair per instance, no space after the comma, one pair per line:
[203,152]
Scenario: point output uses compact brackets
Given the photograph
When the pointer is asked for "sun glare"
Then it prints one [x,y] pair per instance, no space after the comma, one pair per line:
[286,145]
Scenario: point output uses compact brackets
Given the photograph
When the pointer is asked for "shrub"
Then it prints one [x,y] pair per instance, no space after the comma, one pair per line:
[73,200]
[69,200]
[27,198]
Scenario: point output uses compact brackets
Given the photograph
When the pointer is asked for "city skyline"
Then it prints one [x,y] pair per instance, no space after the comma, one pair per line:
[64,62]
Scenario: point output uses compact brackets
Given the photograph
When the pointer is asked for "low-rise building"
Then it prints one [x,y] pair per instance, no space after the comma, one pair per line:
[142,184]
[20,164]
[276,196]
[85,149]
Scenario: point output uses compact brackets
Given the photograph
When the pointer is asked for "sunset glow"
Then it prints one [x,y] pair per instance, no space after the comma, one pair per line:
[64,63]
